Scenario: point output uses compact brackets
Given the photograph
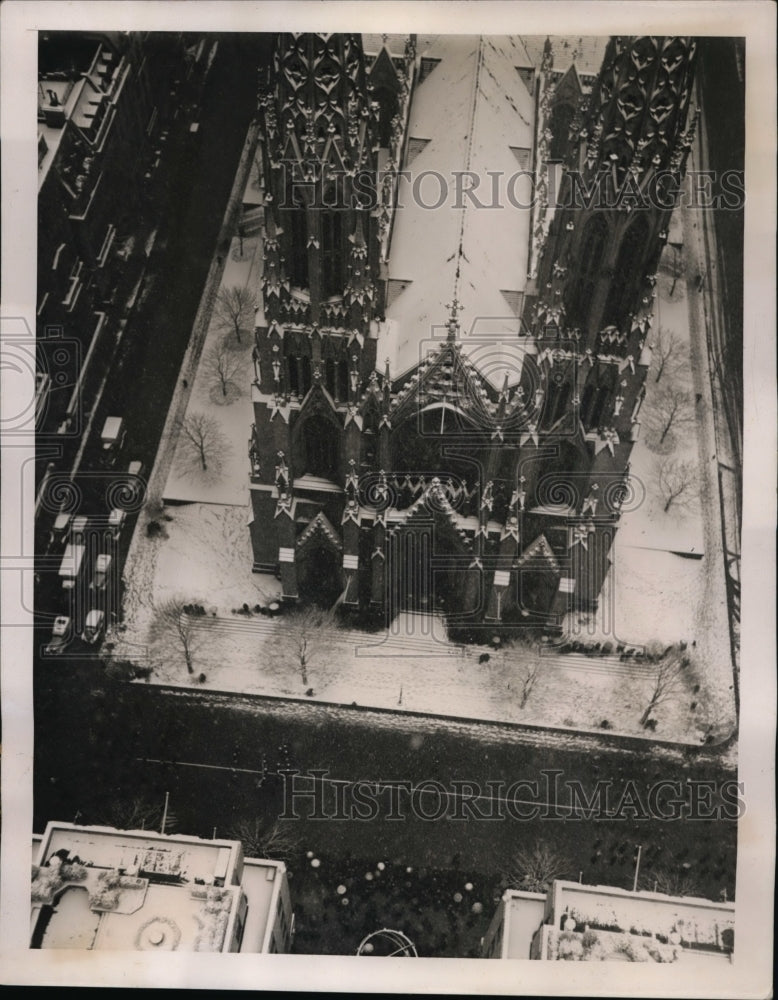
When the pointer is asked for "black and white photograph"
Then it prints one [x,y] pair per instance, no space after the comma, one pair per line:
[388,482]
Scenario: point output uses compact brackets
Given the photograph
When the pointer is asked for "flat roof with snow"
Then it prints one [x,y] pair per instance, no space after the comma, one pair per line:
[100,888]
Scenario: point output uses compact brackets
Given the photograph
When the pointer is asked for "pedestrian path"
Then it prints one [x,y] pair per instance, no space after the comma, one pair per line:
[382,644]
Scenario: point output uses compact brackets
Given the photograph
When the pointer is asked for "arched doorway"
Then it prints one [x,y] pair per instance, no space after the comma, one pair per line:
[320,575]
[426,568]
[627,275]
[538,586]
[320,440]
[413,570]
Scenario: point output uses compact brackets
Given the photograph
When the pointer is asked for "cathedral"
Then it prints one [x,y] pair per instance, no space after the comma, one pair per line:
[461,240]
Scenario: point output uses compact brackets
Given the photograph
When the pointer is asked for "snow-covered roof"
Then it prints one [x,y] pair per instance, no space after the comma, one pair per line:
[475,111]
[586,51]
[372,43]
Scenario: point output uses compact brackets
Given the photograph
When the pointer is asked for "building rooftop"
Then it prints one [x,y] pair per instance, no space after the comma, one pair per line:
[100,888]
[68,53]
[616,924]
[586,51]
[471,115]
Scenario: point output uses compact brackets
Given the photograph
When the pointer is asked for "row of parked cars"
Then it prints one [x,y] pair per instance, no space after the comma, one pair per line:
[84,575]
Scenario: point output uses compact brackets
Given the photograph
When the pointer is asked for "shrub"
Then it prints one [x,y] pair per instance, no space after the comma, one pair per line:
[570,948]
[122,670]
[605,724]
[155,530]
[73,872]
[202,678]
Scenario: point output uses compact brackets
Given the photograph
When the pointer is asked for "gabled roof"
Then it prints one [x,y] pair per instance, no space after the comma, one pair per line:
[445,375]
[539,549]
[569,85]
[474,108]
[434,503]
[319,530]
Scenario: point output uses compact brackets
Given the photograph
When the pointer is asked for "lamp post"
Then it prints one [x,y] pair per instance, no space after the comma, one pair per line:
[164,813]
[637,869]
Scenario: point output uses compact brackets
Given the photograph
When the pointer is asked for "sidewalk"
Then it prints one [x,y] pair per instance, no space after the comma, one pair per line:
[232,418]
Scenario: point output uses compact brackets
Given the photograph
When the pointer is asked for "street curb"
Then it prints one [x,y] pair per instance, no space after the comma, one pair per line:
[164,458]
[614,741]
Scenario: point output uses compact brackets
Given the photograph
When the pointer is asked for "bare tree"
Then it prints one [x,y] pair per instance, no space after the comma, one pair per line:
[303,635]
[529,676]
[172,623]
[667,353]
[521,661]
[677,482]
[203,441]
[667,685]
[669,882]
[132,814]
[233,308]
[263,839]
[535,868]
[670,408]
[222,365]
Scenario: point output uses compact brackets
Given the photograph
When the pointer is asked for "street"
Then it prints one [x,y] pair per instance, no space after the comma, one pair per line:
[220,760]
[142,376]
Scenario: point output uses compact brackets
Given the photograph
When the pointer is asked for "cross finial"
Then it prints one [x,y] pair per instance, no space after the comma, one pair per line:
[453,324]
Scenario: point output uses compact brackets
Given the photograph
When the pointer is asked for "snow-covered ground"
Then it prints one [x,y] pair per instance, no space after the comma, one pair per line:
[206,559]
[664,585]
[667,579]
[226,482]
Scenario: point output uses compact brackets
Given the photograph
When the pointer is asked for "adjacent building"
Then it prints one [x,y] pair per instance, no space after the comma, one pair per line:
[460,251]
[131,890]
[574,922]
[106,104]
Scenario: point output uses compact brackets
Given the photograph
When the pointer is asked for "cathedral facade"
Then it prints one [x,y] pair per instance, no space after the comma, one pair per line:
[461,242]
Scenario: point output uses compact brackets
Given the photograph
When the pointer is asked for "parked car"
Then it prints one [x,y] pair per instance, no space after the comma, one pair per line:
[71,566]
[60,636]
[93,627]
[116,521]
[102,571]
[78,528]
[60,529]
[113,435]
